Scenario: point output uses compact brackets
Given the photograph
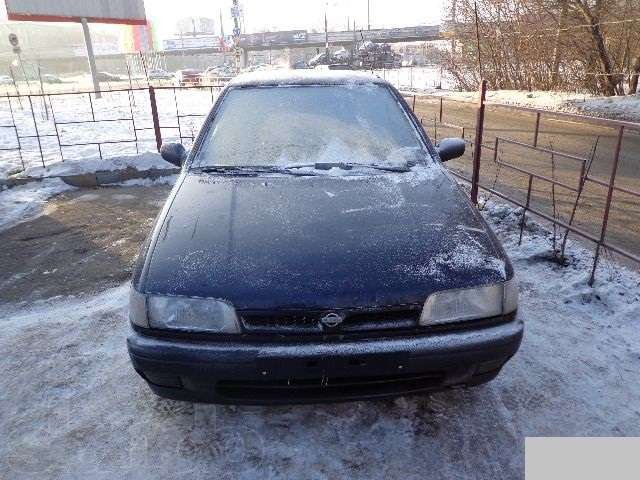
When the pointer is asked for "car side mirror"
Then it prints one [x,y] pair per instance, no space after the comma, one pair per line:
[450,148]
[173,153]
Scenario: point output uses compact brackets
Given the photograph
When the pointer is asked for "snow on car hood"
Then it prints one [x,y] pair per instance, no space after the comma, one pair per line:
[271,242]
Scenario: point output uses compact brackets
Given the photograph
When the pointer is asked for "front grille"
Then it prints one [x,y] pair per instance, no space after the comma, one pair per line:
[323,388]
[304,322]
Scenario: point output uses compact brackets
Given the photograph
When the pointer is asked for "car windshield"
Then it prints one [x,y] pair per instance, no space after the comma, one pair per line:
[310,125]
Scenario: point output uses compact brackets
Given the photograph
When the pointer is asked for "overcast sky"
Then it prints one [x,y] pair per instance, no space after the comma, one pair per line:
[292,14]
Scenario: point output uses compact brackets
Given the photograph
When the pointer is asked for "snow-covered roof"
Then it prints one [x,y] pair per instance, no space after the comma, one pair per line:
[305,77]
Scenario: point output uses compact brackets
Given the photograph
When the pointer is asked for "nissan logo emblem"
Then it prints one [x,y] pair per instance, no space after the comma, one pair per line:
[331,320]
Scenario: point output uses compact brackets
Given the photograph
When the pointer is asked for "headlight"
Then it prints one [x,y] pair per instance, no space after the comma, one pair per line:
[470,303]
[180,313]
[194,314]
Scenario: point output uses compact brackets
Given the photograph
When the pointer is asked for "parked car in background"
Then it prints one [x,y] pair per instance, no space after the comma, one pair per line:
[188,77]
[409,62]
[159,74]
[315,249]
[300,65]
[219,71]
[50,78]
[107,77]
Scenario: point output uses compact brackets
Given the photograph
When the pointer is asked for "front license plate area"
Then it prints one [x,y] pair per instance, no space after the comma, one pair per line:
[352,365]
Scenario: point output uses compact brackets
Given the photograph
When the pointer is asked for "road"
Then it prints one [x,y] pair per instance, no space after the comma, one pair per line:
[560,134]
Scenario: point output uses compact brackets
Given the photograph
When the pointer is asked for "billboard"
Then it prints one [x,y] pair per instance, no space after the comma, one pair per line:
[98,11]
[195,26]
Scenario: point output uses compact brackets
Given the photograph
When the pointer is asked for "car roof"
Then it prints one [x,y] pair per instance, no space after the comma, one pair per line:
[307,77]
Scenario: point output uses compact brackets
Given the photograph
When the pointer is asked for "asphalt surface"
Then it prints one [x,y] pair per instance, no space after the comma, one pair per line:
[560,134]
[85,241]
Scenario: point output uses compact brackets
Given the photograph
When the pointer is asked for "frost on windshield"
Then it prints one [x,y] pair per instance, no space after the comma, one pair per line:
[306,125]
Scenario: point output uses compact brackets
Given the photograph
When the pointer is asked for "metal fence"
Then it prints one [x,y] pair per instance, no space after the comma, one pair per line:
[548,181]
[39,130]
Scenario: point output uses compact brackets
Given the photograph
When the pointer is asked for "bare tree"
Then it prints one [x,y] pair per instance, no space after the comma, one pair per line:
[591,45]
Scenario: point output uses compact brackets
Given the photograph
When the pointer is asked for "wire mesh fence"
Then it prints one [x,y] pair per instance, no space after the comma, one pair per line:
[40,130]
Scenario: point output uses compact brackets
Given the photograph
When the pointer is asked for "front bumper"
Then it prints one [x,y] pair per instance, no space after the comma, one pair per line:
[308,372]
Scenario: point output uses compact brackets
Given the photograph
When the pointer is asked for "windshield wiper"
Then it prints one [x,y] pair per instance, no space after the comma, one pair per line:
[351,165]
[249,170]
[386,168]
[226,169]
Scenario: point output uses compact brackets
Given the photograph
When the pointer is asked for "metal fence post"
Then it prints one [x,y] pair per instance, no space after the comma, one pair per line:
[537,130]
[607,208]
[477,150]
[154,116]
[35,126]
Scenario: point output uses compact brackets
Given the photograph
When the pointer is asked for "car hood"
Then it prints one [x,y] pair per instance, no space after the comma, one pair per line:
[322,242]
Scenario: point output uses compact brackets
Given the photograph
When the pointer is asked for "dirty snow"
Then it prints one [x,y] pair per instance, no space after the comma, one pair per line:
[72,407]
[27,201]
[140,162]
[148,182]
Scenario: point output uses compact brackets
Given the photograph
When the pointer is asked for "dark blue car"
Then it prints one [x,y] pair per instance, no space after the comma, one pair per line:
[315,249]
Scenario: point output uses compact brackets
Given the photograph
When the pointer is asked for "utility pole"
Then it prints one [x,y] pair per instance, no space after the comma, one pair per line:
[326,34]
[92,58]
[368,15]
[235,13]
[223,46]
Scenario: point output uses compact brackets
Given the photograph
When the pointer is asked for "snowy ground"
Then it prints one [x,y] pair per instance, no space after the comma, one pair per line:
[427,78]
[72,407]
[27,201]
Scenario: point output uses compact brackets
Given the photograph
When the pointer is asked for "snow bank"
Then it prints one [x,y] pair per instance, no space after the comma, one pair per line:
[25,202]
[615,295]
[141,162]
[625,108]
[148,182]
